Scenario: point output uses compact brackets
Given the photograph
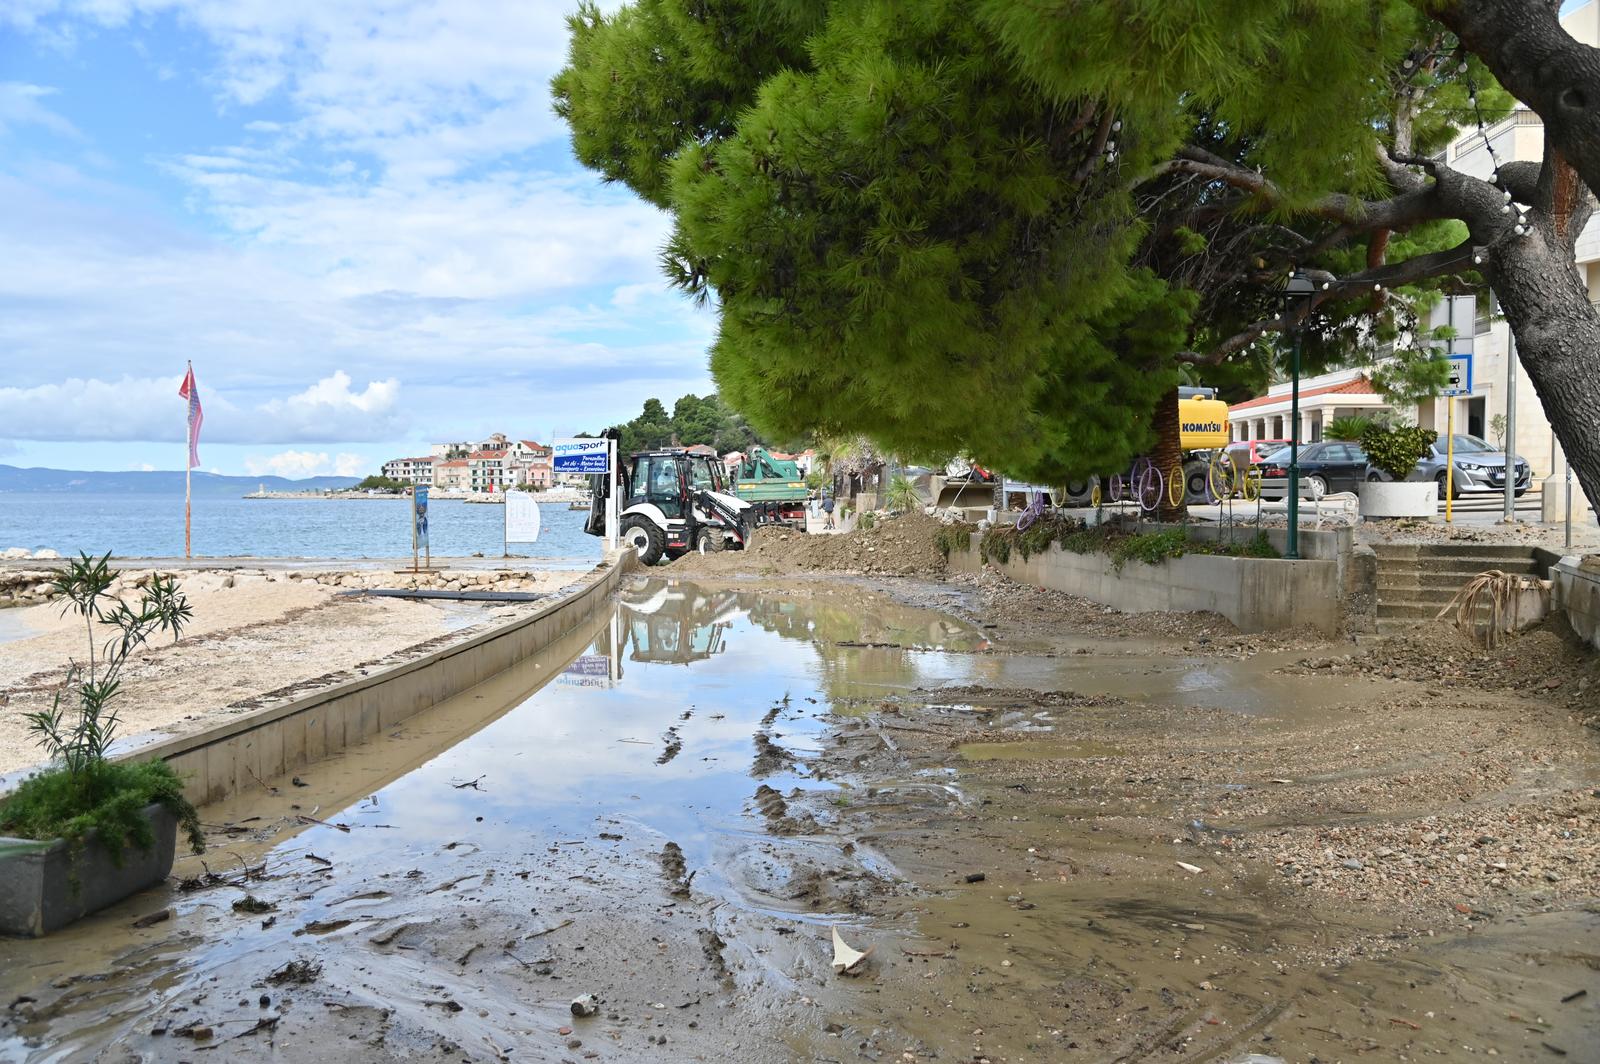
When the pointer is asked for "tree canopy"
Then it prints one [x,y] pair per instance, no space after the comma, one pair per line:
[1001,228]
[694,420]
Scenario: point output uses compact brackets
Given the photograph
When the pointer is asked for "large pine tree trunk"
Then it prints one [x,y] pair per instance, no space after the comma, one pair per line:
[1168,454]
[1558,341]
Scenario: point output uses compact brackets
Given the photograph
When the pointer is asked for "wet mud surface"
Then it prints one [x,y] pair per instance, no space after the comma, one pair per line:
[1056,842]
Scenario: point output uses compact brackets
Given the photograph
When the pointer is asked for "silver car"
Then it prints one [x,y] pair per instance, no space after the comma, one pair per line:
[1480,467]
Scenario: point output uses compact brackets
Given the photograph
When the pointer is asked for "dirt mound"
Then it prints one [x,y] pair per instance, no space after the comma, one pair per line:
[1547,661]
[893,546]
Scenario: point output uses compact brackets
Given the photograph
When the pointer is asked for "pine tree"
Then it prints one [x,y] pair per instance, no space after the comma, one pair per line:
[1000,227]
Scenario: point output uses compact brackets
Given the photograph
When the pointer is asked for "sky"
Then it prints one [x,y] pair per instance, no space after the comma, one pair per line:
[359,218]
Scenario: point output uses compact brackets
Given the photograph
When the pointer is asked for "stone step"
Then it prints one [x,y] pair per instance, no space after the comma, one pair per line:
[1471,567]
[1497,551]
[1409,610]
[1390,579]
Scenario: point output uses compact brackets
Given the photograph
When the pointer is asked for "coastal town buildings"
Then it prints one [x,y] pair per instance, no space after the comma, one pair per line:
[411,471]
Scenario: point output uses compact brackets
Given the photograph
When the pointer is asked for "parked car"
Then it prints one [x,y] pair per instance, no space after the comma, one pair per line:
[1326,467]
[1480,467]
[1252,452]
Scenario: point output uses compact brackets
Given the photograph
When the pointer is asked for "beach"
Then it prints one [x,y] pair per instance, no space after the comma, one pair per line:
[259,633]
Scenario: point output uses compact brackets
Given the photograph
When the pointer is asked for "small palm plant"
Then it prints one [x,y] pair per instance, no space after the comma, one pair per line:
[82,791]
[902,495]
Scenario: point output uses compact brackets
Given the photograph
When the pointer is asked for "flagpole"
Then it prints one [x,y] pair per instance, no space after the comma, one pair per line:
[188,474]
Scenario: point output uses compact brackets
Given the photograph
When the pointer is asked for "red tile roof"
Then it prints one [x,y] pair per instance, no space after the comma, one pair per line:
[1359,386]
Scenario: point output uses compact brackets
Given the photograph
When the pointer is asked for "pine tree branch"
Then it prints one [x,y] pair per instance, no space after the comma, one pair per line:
[1420,268]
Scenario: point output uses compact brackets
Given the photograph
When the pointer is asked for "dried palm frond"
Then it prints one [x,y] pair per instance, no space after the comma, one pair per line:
[1501,595]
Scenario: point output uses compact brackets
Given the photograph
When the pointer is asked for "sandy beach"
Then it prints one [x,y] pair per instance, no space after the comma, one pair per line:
[254,632]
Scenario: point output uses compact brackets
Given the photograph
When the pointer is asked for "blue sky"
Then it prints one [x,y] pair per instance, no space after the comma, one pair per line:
[359,218]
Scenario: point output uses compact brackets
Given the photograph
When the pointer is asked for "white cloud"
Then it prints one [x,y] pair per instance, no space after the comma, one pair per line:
[401,209]
[20,106]
[299,464]
[331,410]
[149,408]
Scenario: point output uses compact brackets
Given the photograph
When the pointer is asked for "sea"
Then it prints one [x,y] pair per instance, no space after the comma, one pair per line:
[151,526]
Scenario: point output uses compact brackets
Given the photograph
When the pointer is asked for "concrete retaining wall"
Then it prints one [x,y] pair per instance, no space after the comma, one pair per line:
[1256,594]
[220,761]
[1575,584]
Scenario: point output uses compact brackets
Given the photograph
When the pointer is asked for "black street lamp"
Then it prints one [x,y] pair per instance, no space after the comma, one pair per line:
[1299,286]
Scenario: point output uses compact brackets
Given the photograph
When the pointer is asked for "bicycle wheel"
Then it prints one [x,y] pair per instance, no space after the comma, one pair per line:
[1175,486]
[1249,483]
[1094,494]
[1151,484]
[1219,477]
[1118,482]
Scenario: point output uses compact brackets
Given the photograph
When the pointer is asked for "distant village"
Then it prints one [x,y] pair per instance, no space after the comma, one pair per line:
[499,463]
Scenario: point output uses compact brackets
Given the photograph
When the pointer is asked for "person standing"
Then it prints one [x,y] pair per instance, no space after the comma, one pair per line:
[827,511]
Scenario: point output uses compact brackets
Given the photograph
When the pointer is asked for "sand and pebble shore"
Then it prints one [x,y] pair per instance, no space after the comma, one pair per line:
[254,631]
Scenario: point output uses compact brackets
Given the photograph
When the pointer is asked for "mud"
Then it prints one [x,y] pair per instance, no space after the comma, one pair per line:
[1059,842]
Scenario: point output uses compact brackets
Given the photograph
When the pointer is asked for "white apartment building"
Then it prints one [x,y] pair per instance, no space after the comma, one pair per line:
[411,470]
[1519,136]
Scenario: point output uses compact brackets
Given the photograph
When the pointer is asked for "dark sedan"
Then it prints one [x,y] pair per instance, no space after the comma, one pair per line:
[1325,467]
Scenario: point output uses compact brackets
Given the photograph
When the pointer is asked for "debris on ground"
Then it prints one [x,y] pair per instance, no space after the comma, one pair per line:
[847,959]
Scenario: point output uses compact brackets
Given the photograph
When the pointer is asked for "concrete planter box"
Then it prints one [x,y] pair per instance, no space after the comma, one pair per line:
[1576,593]
[1399,498]
[1256,594]
[37,892]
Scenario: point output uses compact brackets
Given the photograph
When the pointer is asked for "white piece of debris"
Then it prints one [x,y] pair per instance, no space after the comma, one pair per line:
[846,961]
[1192,869]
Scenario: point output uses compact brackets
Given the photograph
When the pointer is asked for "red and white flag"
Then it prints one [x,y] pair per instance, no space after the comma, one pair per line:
[189,391]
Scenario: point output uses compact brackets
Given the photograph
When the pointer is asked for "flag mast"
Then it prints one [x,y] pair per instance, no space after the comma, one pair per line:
[191,392]
[188,470]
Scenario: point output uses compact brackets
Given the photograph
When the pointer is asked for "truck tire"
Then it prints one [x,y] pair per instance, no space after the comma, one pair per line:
[646,540]
[708,540]
[1194,482]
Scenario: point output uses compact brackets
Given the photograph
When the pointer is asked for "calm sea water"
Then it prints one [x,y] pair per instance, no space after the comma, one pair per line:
[151,526]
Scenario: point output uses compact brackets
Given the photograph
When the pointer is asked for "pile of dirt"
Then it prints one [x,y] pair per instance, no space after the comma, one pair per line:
[1547,661]
[893,546]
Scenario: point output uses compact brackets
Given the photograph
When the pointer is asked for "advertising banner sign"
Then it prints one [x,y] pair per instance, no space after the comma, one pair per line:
[581,456]
[522,517]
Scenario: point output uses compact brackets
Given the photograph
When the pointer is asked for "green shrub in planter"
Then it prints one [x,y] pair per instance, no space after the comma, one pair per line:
[1397,451]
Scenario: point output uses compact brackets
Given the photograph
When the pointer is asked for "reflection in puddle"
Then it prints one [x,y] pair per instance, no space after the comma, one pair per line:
[661,714]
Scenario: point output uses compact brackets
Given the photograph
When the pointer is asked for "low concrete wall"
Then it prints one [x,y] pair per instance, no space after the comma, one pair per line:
[1575,591]
[1257,594]
[230,757]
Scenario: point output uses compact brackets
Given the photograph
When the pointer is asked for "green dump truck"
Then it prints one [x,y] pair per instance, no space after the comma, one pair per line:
[774,488]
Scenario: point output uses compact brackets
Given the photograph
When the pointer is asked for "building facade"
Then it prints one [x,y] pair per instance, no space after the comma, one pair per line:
[451,474]
[529,465]
[410,470]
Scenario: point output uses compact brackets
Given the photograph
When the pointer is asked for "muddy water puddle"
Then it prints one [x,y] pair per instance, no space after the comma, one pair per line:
[659,812]
[627,786]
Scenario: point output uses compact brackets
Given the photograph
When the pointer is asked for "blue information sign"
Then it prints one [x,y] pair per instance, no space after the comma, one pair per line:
[581,456]
[1460,374]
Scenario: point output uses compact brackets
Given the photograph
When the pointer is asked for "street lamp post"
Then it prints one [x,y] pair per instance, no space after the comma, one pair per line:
[1301,286]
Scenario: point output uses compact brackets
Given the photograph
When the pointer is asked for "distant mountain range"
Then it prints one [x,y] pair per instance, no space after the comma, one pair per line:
[156,482]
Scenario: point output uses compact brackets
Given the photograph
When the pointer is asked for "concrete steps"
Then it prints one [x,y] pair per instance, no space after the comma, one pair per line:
[1415,581]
